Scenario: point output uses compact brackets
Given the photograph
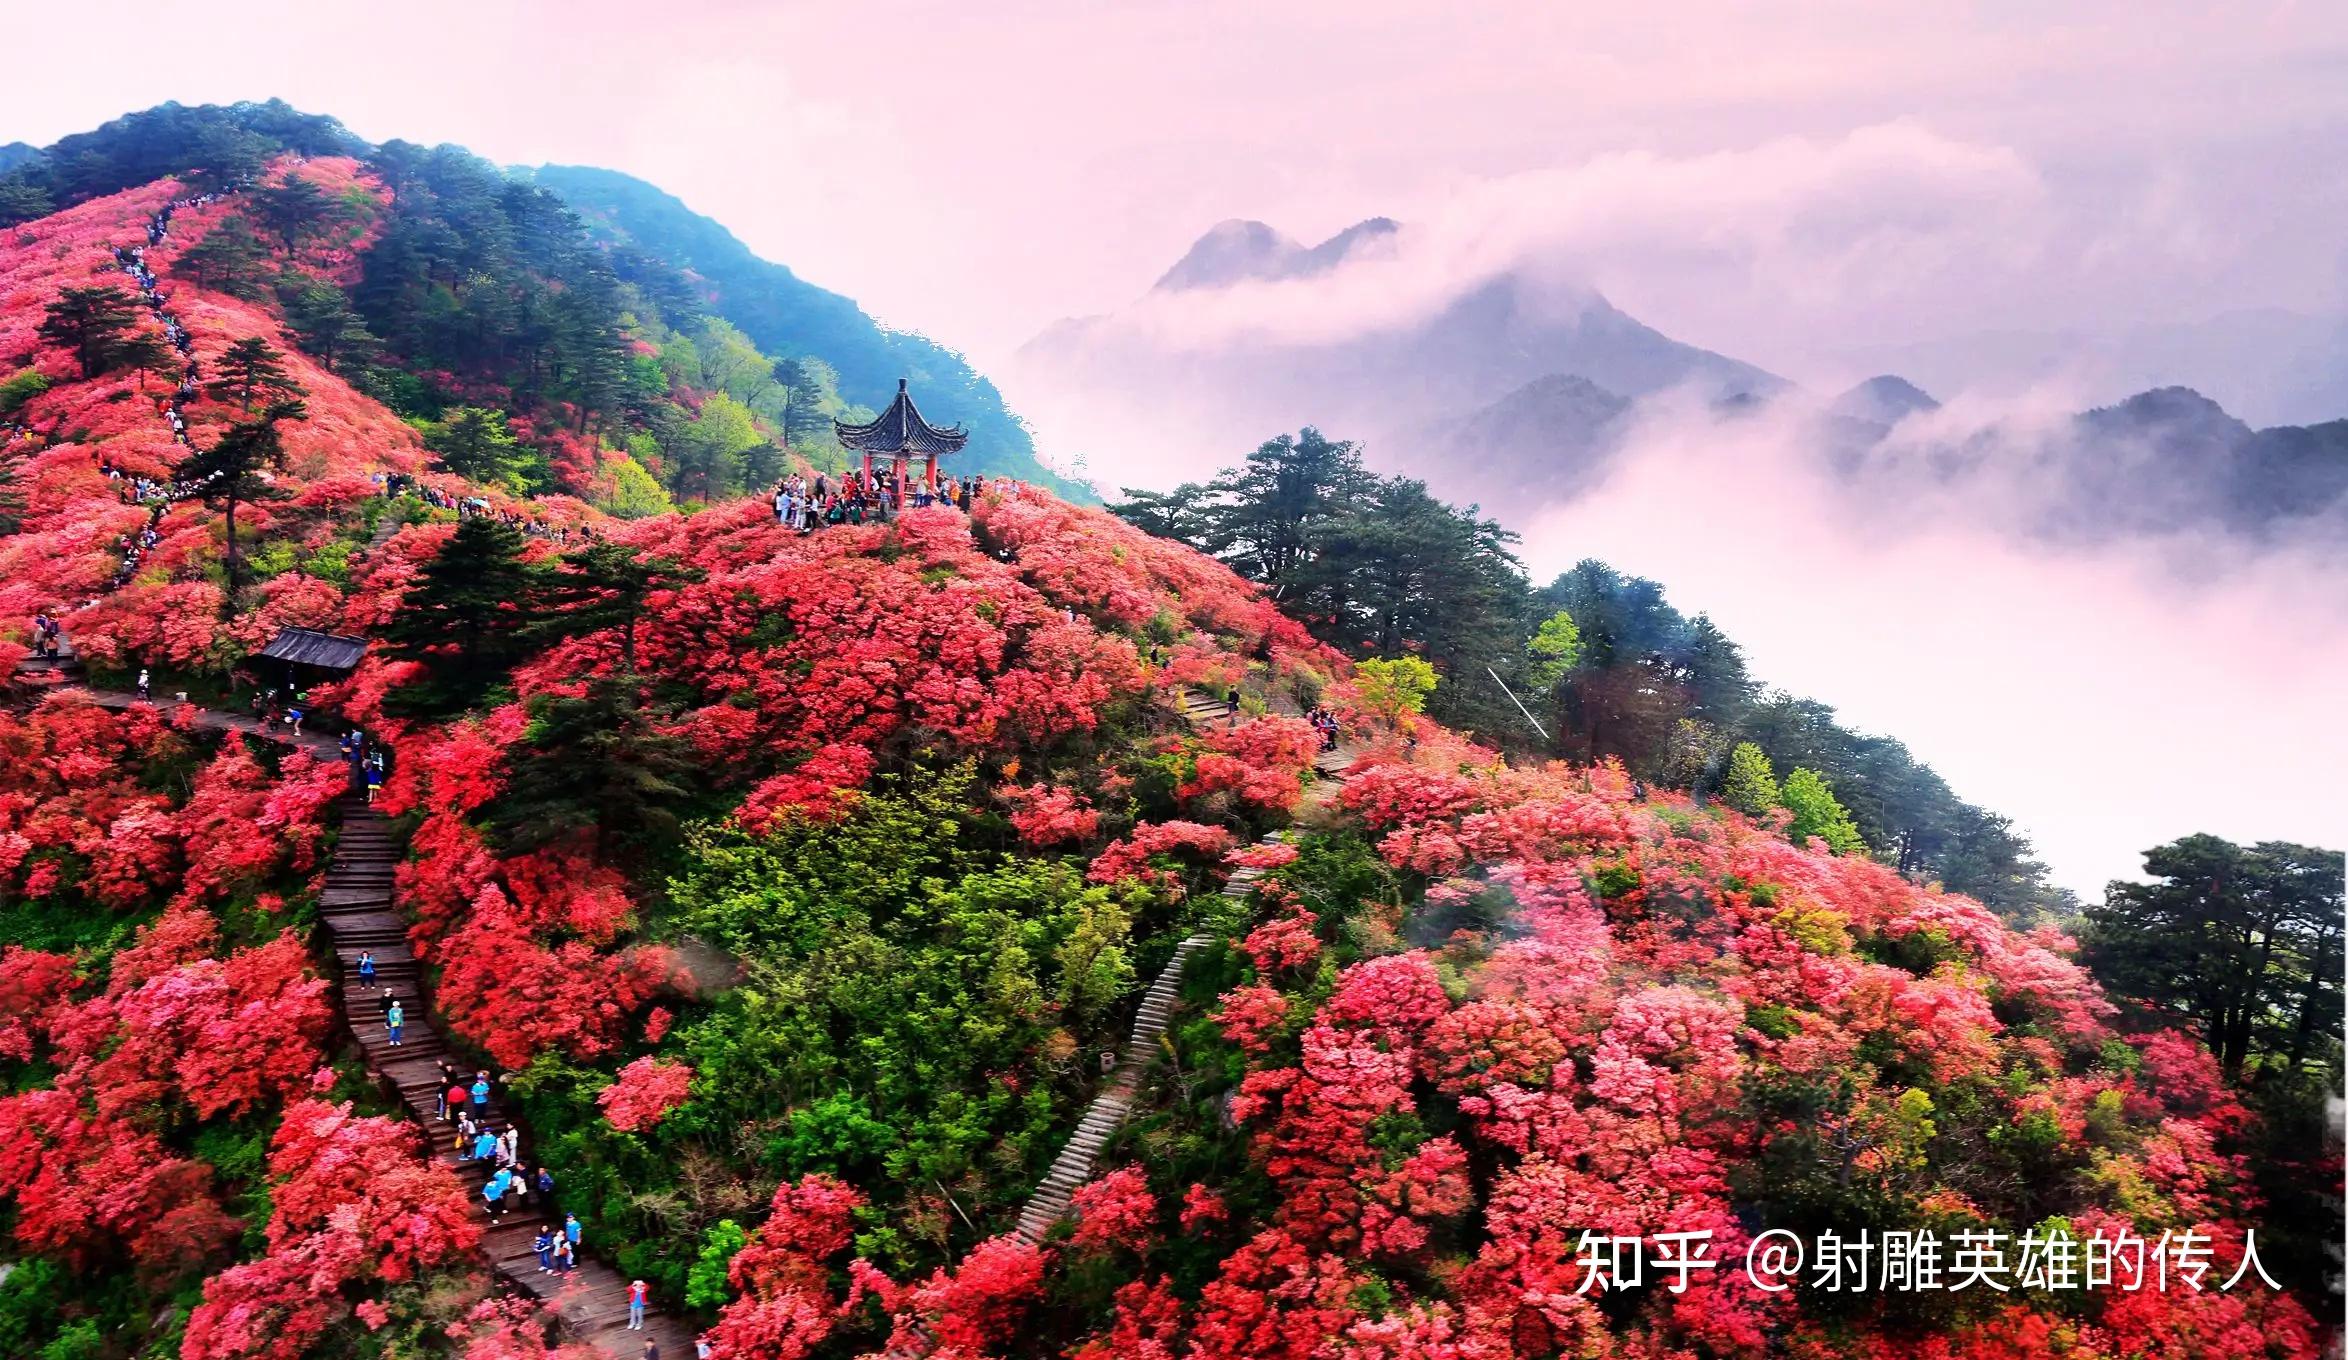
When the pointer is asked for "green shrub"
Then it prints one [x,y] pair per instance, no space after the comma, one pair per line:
[21,387]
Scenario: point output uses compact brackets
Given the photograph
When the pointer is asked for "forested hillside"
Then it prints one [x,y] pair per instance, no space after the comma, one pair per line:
[826,342]
[982,929]
[1603,664]
[529,349]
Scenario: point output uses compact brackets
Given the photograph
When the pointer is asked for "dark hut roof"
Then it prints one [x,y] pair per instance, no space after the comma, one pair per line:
[901,429]
[306,647]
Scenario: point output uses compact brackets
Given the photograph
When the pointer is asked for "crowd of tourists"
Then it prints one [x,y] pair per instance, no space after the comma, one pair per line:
[158,496]
[804,504]
[481,1139]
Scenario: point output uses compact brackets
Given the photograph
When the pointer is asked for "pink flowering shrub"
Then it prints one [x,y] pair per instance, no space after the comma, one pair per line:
[644,1091]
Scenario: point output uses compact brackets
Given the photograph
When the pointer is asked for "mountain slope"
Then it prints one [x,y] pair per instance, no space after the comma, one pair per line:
[794,888]
[1548,439]
[786,315]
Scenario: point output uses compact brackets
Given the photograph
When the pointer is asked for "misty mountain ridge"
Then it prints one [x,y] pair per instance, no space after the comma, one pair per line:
[1517,395]
[1239,250]
[1413,384]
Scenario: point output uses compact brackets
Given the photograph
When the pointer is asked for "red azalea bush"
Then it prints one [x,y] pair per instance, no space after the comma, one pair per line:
[644,1091]
[1603,1065]
[356,1207]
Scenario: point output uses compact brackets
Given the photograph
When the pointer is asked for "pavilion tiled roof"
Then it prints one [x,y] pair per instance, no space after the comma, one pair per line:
[308,647]
[901,430]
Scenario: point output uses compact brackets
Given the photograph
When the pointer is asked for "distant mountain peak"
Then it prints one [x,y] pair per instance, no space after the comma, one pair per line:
[2174,417]
[1240,250]
[1884,399]
[1230,252]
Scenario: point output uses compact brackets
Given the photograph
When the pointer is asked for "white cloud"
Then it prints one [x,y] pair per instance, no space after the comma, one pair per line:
[1817,224]
[2109,698]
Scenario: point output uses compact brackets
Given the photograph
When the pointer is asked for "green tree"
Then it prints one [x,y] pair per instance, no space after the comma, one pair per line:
[1391,687]
[21,201]
[237,470]
[1283,507]
[20,387]
[1751,786]
[606,586]
[1372,566]
[466,619]
[707,1284]
[230,259]
[1816,813]
[94,323]
[1555,647]
[2245,942]
[600,766]
[708,460]
[144,353]
[252,368]
[1407,573]
[11,499]
[225,157]
[292,210]
[320,316]
[472,442]
[635,493]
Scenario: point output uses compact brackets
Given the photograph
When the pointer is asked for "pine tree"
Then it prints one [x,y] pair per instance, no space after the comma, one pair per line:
[1751,786]
[466,619]
[606,586]
[252,367]
[1816,813]
[2244,940]
[230,259]
[291,209]
[22,201]
[144,352]
[472,442]
[235,470]
[94,323]
[600,764]
[320,316]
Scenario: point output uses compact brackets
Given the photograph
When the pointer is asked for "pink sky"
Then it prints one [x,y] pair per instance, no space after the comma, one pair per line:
[976,171]
[1801,186]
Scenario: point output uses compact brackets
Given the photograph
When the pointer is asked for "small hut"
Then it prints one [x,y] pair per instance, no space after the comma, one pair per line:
[311,657]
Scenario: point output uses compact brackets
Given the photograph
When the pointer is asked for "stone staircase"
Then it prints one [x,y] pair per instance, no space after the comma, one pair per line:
[355,909]
[51,672]
[1107,1113]
[357,912]
[1073,1167]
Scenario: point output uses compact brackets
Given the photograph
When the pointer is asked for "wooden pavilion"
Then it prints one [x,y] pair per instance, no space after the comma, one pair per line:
[901,436]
